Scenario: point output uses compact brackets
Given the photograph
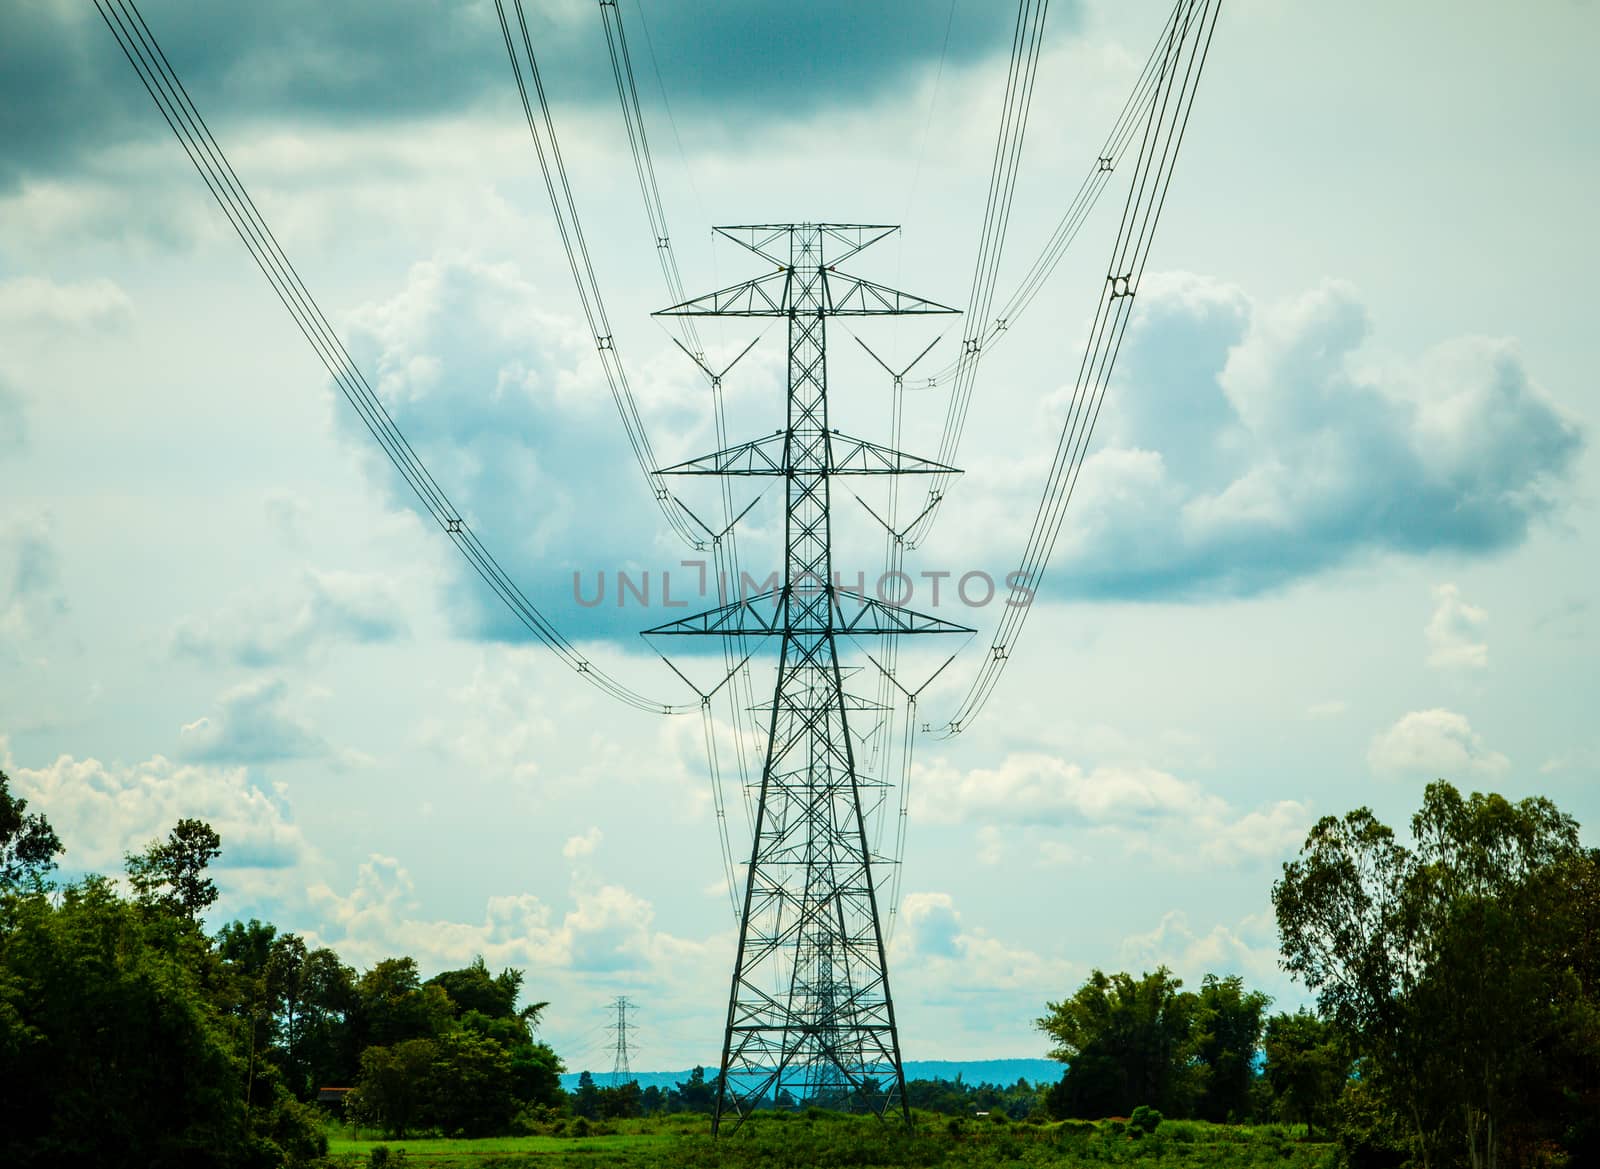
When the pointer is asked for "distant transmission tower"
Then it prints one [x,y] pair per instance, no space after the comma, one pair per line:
[620,1072]
[810,1016]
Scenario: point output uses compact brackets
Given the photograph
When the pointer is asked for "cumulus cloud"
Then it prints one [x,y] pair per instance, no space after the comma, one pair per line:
[577,846]
[1248,949]
[64,87]
[102,811]
[1434,744]
[1455,632]
[507,404]
[952,960]
[1247,447]
[13,421]
[253,723]
[326,608]
[29,302]
[606,930]
[32,596]
[1141,808]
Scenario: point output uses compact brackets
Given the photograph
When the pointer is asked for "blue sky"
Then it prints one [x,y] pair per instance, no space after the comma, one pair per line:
[1336,535]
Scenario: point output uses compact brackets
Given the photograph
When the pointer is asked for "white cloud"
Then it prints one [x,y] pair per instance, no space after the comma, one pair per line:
[29,302]
[577,846]
[1142,808]
[326,608]
[1247,447]
[607,930]
[13,421]
[1455,632]
[252,723]
[32,597]
[1248,949]
[102,811]
[1434,744]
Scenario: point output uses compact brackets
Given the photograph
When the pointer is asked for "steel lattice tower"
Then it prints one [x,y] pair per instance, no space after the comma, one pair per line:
[620,1072]
[810,1016]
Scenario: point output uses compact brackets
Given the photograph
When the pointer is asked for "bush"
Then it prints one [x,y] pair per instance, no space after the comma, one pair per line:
[1369,1135]
[1180,1132]
[1144,1119]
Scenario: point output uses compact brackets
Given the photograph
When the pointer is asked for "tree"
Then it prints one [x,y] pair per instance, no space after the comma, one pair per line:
[393,1088]
[470,1087]
[1436,961]
[392,1005]
[171,874]
[696,1094]
[28,845]
[1306,1068]
[586,1100]
[325,1040]
[1126,1042]
[474,989]
[1227,1033]
[111,1051]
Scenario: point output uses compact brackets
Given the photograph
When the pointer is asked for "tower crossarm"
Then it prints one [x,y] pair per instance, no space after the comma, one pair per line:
[844,455]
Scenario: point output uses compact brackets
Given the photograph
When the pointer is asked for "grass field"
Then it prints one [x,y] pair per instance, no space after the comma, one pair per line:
[827,1141]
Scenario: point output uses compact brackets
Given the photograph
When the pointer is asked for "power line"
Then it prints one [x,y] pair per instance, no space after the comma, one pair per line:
[724,545]
[987,331]
[576,248]
[161,82]
[1183,61]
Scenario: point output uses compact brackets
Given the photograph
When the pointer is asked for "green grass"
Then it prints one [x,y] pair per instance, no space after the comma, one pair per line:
[840,1142]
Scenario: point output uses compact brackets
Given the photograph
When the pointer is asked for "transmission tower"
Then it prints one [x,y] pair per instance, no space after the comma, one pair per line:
[620,1072]
[810,1016]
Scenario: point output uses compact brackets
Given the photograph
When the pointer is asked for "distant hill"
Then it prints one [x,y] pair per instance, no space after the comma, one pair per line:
[1003,1072]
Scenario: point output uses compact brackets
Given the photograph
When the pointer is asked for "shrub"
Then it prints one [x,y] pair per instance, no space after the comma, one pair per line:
[1180,1132]
[1144,1119]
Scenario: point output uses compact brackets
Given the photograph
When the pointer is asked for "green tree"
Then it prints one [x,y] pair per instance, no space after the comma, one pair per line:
[171,874]
[392,1005]
[1126,1042]
[1227,1035]
[473,988]
[1306,1068]
[696,1094]
[111,1052]
[586,1100]
[326,1039]
[28,845]
[392,1092]
[470,1087]
[1435,960]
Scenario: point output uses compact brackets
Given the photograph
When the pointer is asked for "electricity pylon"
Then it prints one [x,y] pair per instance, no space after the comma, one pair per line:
[620,1072]
[810,1016]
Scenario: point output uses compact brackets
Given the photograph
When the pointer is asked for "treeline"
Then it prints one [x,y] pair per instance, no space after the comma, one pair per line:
[1458,1000]
[129,1036]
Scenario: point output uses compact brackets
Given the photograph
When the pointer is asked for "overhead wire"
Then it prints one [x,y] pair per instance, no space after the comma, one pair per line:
[183,118]
[576,248]
[1189,37]
[987,329]
[724,544]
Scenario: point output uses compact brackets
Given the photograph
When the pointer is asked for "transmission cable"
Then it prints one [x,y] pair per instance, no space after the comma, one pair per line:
[576,248]
[724,544]
[161,82]
[986,331]
[1183,61]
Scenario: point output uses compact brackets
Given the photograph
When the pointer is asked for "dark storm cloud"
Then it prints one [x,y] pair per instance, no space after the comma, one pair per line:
[66,90]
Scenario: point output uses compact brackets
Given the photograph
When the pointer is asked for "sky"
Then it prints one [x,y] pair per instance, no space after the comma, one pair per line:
[1336,535]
